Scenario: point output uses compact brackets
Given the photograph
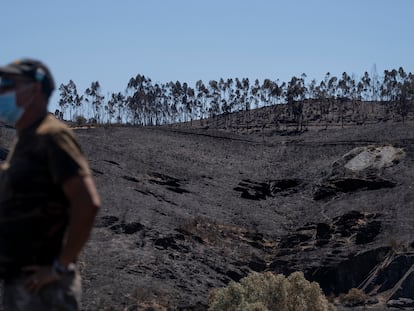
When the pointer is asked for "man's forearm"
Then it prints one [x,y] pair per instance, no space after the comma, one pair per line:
[80,225]
[84,204]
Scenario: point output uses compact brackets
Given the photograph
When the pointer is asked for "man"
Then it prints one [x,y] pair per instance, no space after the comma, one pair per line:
[48,199]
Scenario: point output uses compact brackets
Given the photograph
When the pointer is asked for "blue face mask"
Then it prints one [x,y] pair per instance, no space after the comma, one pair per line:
[10,113]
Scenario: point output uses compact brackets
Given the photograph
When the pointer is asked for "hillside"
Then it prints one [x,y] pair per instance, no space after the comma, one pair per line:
[189,209]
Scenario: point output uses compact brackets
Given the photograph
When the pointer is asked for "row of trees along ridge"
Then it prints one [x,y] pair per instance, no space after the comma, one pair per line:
[148,103]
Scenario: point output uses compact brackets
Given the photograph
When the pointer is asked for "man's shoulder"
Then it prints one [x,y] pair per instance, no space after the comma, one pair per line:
[52,126]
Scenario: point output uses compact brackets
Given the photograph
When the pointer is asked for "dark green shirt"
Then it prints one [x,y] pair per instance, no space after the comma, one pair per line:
[33,207]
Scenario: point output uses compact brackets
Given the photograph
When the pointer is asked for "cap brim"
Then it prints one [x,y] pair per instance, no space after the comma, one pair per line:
[10,70]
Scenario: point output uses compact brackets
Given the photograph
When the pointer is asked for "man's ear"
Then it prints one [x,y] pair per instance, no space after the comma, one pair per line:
[38,90]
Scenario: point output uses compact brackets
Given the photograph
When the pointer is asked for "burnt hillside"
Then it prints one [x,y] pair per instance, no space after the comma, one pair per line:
[187,209]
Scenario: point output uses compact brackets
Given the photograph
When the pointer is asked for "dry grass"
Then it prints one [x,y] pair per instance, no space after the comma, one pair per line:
[355,297]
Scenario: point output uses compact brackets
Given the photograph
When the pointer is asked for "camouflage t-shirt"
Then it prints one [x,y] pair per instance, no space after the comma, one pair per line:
[33,207]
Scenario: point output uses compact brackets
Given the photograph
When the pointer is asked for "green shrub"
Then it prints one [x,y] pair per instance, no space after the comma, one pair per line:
[270,292]
[80,120]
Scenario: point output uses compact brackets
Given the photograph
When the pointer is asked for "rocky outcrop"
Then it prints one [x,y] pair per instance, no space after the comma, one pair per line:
[254,190]
[360,169]
[325,243]
[330,253]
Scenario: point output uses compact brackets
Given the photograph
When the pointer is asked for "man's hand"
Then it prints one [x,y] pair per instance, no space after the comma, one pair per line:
[39,277]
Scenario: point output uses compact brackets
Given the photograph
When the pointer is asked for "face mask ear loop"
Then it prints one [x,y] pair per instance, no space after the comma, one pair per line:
[40,75]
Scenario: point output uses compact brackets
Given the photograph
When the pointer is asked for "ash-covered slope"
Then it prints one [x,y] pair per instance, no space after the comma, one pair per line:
[186,210]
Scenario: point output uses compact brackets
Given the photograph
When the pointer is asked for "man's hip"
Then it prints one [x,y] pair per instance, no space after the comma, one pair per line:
[62,295]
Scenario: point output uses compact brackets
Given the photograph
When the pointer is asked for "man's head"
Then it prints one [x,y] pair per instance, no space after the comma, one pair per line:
[28,69]
[25,88]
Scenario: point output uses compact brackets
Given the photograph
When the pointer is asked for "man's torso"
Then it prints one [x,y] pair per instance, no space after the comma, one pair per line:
[33,207]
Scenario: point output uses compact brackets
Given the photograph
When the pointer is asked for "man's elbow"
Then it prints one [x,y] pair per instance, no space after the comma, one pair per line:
[83,195]
[95,205]
[94,198]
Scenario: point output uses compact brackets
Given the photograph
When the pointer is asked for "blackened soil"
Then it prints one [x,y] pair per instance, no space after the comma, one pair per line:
[188,210]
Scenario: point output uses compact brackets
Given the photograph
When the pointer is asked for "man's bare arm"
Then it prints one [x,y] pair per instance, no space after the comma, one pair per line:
[84,204]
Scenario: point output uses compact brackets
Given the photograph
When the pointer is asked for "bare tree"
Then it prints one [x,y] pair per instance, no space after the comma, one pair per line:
[96,101]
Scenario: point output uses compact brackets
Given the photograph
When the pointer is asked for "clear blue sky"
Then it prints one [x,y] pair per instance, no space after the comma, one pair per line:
[189,40]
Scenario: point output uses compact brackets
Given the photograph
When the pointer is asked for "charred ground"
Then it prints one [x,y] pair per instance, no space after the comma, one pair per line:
[186,210]
[189,209]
